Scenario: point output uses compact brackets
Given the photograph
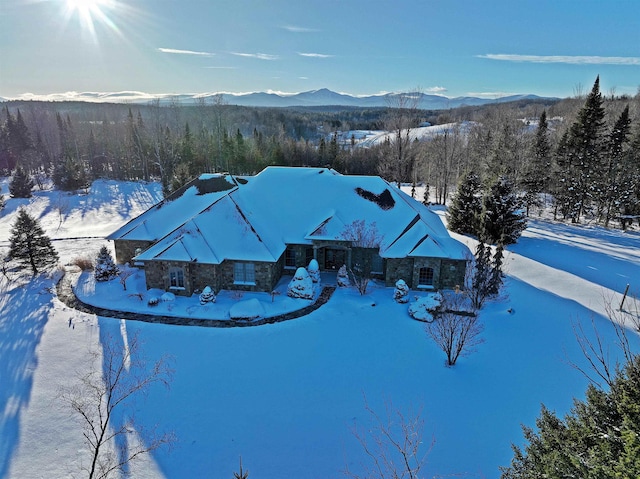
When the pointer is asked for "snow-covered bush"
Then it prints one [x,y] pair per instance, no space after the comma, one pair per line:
[153,301]
[207,296]
[301,286]
[423,307]
[401,293]
[105,269]
[168,297]
[247,310]
[314,270]
[343,277]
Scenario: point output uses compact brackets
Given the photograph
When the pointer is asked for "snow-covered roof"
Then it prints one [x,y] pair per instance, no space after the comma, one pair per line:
[176,209]
[258,216]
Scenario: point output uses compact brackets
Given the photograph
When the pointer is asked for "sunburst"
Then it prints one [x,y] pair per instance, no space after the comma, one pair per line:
[90,12]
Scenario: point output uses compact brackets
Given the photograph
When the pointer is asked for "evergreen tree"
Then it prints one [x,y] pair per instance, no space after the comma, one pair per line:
[481,287]
[496,275]
[464,212]
[630,177]
[501,217]
[2,202]
[599,438]
[105,268]
[612,181]
[536,174]
[583,155]
[21,184]
[180,177]
[29,245]
[69,174]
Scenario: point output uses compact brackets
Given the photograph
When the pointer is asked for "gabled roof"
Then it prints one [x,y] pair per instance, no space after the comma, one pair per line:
[176,209]
[257,216]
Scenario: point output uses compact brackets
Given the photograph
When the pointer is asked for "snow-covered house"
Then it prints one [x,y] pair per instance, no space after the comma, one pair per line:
[231,232]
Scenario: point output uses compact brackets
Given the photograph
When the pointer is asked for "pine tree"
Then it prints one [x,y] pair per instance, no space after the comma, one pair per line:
[536,175]
[612,180]
[29,245]
[583,155]
[21,184]
[2,202]
[105,268]
[464,212]
[496,275]
[501,217]
[599,438]
[480,290]
[630,174]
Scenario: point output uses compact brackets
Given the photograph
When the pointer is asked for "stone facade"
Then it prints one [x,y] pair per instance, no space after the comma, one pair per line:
[127,249]
[447,274]
[157,276]
[452,274]
[264,276]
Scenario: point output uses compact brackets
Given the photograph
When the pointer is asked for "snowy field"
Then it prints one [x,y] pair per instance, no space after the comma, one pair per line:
[286,396]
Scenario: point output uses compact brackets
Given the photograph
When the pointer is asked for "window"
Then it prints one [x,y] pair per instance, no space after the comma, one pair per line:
[244,273]
[377,265]
[176,278]
[136,253]
[425,277]
[289,258]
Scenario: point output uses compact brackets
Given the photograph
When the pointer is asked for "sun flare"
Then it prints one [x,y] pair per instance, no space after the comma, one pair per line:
[90,12]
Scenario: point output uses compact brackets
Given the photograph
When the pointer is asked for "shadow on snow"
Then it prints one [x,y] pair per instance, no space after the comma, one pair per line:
[23,316]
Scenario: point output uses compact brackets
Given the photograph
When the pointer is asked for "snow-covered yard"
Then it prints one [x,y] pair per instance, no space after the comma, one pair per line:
[286,396]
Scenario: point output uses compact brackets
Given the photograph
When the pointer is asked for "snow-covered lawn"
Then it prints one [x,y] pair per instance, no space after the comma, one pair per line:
[286,396]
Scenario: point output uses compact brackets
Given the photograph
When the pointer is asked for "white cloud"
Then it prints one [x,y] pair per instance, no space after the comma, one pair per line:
[295,29]
[435,89]
[96,97]
[571,59]
[315,55]
[259,56]
[489,94]
[185,52]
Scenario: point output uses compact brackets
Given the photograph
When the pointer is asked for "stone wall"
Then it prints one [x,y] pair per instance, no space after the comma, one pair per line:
[302,258]
[203,275]
[126,249]
[447,273]
[264,274]
[399,268]
[452,273]
[157,276]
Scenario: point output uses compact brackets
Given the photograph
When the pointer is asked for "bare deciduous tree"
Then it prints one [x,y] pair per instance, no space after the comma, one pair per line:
[365,236]
[103,392]
[456,328]
[393,443]
[402,117]
[600,365]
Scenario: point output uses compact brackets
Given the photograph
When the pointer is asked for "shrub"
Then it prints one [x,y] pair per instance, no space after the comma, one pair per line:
[85,263]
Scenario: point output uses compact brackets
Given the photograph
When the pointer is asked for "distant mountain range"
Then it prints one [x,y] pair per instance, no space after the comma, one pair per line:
[312,98]
[325,97]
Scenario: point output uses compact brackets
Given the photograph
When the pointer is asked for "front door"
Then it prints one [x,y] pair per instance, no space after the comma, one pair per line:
[334,258]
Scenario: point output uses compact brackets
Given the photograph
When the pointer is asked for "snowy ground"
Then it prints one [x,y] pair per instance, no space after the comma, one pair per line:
[285,396]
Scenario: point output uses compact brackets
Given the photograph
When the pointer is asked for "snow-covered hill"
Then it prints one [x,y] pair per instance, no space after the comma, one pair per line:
[286,396]
[311,98]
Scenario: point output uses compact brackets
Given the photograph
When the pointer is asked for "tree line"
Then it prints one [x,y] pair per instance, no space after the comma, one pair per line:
[584,152]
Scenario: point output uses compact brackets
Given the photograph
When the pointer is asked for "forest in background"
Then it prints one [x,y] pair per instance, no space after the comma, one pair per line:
[583,151]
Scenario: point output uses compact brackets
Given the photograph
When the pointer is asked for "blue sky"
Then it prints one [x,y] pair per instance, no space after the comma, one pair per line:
[450,47]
